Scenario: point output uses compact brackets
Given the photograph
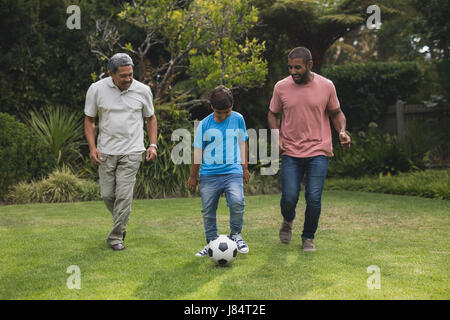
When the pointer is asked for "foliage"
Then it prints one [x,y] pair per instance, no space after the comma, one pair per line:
[230,58]
[428,183]
[61,130]
[206,37]
[44,63]
[23,156]
[376,153]
[162,177]
[365,91]
[60,186]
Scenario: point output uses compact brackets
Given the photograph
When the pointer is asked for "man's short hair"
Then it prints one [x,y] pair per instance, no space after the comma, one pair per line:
[119,60]
[300,52]
[221,98]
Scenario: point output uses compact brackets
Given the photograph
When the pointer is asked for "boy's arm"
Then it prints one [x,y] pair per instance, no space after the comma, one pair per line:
[243,146]
[195,167]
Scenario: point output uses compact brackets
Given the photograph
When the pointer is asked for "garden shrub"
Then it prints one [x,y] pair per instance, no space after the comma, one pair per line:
[365,91]
[22,155]
[60,186]
[375,153]
[429,183]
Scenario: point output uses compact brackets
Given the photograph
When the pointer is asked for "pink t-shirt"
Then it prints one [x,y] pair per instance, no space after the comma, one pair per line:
[305,126]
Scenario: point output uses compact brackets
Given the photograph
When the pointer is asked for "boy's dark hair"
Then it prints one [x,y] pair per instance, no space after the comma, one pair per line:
[221,98]
[300,52]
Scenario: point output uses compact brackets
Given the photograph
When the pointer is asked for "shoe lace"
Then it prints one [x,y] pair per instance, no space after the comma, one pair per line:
[238,239]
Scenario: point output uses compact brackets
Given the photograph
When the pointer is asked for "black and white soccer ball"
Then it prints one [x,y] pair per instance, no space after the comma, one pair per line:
[222,250]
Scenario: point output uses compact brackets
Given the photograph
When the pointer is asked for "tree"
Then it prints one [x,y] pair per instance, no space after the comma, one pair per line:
[200,37]
[230,57]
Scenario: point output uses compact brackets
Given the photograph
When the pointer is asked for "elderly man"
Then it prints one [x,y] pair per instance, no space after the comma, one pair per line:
[122,104]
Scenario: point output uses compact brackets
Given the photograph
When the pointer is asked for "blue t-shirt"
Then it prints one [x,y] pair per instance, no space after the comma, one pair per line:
[220,144]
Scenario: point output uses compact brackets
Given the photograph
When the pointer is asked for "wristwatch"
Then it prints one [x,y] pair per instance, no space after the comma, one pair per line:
[153,145]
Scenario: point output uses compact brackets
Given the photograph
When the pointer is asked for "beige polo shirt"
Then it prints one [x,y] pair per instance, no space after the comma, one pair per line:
[121,115]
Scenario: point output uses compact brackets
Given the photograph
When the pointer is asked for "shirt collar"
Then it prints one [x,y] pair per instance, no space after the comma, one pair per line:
[111,84]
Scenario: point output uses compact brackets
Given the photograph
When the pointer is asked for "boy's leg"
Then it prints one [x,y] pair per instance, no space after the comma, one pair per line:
[234,192]
[211,187]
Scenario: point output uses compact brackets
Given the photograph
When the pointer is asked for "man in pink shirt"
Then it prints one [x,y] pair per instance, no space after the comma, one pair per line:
[307,100]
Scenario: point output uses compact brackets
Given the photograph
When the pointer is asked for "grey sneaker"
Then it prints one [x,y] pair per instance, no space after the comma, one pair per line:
[203,252]
[308,245]
[286,232]
[241,245]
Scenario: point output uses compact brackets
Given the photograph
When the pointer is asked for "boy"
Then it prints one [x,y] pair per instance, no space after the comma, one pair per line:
[220,153]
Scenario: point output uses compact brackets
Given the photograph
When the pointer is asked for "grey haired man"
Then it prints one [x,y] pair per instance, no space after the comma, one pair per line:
[122,105]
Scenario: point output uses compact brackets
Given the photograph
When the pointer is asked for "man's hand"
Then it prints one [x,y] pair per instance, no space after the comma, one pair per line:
[95,156]
[345,140]
[246,175]
[192,182]
[151,154]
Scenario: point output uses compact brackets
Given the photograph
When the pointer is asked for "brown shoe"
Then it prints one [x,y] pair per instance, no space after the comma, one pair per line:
[118,247]
[308,245]
[286,232]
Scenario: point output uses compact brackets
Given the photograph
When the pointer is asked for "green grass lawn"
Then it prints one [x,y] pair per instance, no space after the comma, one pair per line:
[406,237]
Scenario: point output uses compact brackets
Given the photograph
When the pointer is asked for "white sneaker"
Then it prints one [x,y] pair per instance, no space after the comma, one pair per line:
[203,252]
[241,245]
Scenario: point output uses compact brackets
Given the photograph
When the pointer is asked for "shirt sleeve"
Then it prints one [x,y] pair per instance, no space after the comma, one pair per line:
[148,110]
[275,103]
[333,101]
[243,136]
[90,107]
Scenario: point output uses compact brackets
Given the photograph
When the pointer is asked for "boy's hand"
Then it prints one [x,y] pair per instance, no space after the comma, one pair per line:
[192,182]
[246,175]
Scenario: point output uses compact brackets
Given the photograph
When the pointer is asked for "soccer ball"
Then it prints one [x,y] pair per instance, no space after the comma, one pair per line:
[222,250]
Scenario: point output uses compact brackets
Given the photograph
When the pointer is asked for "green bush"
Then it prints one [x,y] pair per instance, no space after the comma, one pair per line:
[162,178]
[61,129]
[60,186]
[428,183]
[22,155]
[365,91]
[377,153]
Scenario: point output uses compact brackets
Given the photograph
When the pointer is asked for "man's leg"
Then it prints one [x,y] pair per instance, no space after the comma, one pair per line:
[291,177]
[127,168]
[316,173]
[211,187]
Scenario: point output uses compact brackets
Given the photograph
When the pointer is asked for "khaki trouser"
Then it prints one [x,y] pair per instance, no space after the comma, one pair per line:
[117,178]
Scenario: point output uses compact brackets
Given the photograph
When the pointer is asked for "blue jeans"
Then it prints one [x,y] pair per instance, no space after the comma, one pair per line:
[292,171]
[211,187]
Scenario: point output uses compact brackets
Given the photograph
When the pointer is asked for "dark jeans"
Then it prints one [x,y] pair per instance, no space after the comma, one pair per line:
[292,171]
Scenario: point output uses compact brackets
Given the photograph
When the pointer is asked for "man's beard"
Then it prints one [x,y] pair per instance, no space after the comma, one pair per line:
[303,78]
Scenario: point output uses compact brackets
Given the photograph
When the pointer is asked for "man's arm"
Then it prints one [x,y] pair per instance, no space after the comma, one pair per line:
[339,123]
[89,131]
[273,119]
[152,130]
